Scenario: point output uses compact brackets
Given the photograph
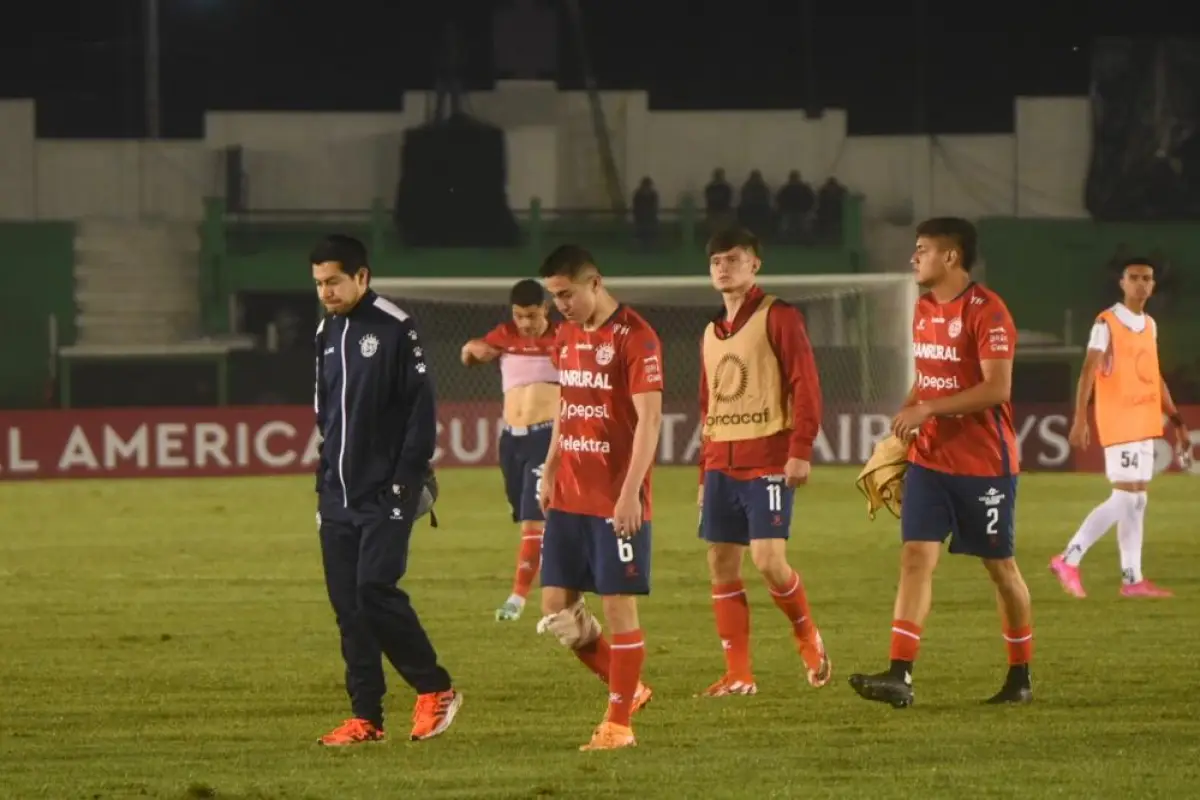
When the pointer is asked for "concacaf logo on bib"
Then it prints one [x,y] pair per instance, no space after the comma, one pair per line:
[955,327]
[368,345]
[604,354]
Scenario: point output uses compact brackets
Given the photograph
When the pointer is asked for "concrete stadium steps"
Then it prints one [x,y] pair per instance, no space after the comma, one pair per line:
[124,329]
[136,283]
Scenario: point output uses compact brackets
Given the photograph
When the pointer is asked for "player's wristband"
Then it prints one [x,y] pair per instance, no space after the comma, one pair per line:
[1176,419]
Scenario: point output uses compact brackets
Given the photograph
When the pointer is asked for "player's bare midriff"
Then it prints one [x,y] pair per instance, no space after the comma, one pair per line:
[530,404]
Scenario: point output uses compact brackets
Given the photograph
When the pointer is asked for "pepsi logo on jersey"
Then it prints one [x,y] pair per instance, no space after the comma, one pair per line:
[937,382]
[582,411]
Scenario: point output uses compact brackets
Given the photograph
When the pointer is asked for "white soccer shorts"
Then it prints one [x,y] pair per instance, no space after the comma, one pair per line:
[1132,462]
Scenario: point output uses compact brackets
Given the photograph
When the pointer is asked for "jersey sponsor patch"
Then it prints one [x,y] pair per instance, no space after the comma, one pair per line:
[585,411]
[584,444]
[931,351]
[585,379]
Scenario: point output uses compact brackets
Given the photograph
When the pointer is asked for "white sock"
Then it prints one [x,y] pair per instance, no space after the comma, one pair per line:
[517,600]
[1096,524]
[1129,539]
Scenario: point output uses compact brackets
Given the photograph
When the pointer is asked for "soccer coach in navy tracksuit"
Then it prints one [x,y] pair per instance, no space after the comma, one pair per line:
[376,414]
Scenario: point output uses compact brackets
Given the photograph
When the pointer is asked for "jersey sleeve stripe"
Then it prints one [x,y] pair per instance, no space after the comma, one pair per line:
[391,309]
[998,424]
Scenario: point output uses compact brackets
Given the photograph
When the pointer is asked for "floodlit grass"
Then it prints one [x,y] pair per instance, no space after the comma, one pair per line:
[172,639]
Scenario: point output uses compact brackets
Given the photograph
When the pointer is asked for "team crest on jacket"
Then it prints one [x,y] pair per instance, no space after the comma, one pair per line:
[604,354]
[368,345]
[955,327]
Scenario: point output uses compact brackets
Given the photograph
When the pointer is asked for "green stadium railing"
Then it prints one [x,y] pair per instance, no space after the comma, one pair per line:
[261,245]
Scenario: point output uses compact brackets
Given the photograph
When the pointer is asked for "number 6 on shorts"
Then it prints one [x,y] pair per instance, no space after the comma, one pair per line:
[624,551]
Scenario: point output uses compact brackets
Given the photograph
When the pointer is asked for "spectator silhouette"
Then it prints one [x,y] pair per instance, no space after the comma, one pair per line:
[795,201]
[830,199]
[718,201]
[754,207]
[645,213]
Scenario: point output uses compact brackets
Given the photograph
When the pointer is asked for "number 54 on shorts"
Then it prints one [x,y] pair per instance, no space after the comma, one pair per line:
[1132,462]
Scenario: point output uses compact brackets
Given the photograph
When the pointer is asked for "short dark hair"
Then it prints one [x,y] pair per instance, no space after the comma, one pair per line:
[567,261]
[347,252]
[527,293]
[959,231]
[736,236]
[1137,261]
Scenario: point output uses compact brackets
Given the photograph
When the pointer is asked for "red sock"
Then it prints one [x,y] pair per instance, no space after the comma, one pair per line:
[628,653]
[792,601]
[733,626]
[596,657]
[529,558]
[1019,642]
[906,640]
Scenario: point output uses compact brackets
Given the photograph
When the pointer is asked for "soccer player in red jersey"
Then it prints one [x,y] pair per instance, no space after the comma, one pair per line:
[962,476]
[530,382]
[596,483]
[760,401]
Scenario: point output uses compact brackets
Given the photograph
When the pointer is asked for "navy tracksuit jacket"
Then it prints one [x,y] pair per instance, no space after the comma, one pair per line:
[374,402]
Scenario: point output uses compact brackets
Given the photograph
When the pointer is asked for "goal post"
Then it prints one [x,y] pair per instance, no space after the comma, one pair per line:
[860,326]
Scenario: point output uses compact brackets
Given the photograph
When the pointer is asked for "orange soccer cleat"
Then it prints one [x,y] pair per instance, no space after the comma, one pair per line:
[434,713]
[641,699]
[728,685]
[816,660]
[352,731]
[610,736]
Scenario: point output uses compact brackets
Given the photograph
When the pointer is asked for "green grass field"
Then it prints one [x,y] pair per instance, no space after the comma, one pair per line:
[172,639]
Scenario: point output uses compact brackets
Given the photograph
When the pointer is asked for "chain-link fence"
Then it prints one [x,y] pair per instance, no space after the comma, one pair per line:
[859,327]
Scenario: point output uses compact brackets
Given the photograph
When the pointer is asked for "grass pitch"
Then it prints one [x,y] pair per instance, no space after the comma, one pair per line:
[172,639]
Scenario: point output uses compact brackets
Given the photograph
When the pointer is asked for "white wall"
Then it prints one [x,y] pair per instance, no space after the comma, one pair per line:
[18,160]
[1054,149]
[121,179]
[341,161]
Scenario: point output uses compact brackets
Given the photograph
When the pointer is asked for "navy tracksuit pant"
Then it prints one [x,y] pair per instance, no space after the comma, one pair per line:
[365,553]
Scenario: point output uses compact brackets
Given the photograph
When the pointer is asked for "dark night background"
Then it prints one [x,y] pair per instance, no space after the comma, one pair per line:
[897,67]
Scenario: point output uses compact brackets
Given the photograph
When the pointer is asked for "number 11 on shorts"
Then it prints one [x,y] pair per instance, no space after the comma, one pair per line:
[774,497]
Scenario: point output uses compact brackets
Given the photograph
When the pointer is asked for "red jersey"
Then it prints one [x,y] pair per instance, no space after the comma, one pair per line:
[599,373]
[950,342]
[754,458]
[507,338]
[523,359]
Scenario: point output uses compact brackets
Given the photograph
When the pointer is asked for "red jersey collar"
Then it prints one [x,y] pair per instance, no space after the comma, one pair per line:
[749,306]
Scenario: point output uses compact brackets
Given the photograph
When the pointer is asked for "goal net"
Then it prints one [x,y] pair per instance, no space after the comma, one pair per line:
[859,324]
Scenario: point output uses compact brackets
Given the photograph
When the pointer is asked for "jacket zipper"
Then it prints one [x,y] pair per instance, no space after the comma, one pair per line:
[342,449]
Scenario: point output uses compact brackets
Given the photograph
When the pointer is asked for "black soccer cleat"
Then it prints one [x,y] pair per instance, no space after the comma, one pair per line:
[884,687]
[1012,694]
[1017,688]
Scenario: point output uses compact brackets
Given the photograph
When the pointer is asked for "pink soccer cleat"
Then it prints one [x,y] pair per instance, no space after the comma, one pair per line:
[1144,588]
[1068,576]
